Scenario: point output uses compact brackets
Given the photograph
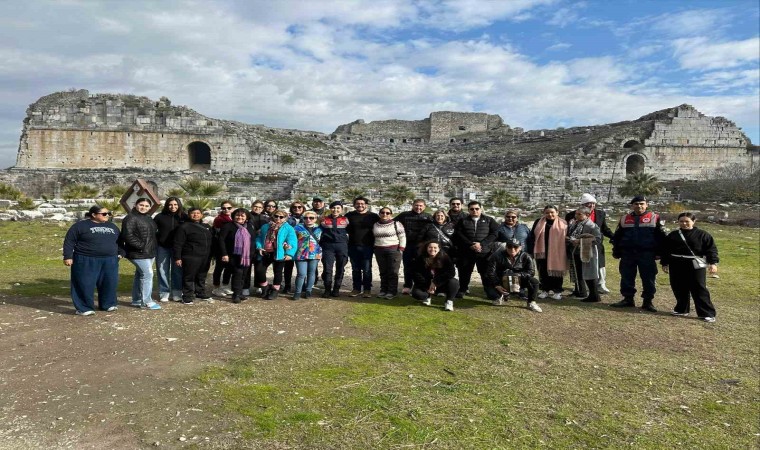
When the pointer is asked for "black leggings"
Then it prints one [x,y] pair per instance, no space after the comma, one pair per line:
[450,288]
[222,273]
[277,267]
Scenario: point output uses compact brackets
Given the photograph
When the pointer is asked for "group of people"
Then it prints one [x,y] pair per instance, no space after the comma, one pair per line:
[439,251]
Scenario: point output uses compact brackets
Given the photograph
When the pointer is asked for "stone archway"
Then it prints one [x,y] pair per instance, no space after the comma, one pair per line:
[199,155]
[634,145]
[634,164]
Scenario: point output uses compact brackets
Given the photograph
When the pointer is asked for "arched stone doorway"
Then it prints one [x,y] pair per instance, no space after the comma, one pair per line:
[199,155]
[634,145]
[634,164]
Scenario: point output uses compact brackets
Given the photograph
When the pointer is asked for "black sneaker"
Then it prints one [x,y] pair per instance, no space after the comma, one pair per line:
[648,306]
[460,294]
[187,301]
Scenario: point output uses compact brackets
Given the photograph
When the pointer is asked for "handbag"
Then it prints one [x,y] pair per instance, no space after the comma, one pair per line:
[697,262]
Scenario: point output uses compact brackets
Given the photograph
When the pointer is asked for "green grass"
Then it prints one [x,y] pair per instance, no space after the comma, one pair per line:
[576,376]
[403,375]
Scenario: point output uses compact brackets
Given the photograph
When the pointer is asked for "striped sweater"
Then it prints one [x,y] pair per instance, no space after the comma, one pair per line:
[389,236]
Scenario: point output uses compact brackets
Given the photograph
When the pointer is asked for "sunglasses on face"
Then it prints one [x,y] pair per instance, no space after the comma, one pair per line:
[279,217]
[309,218]
[474,209]
[510,217]
[456,204]
[227,208]
[271,206]
[384,213]
[297,207]
[103,214]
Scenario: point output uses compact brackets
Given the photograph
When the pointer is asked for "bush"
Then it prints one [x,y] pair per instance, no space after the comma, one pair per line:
[9,192]
[25,203]
[76,191]
[732,183]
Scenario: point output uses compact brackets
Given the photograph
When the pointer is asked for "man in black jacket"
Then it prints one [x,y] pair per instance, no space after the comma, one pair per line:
[474,236]
[415,223]
[510,270]
[361,243]
[599,217]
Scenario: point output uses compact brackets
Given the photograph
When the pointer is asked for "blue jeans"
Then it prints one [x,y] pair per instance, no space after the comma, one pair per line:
[89,273]
[168,272]
[306,270]
[142,286]
[361,266]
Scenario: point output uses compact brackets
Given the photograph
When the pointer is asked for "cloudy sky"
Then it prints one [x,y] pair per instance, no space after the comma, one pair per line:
[313,64]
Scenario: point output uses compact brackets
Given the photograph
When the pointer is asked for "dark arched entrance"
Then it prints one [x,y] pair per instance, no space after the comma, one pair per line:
[634,145]
[634,164]
[199,155]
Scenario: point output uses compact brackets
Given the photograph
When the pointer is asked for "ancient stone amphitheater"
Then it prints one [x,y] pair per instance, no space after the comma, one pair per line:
[105,139]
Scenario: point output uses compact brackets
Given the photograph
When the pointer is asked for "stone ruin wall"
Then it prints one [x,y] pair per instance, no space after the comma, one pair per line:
[384,130]
[445,125]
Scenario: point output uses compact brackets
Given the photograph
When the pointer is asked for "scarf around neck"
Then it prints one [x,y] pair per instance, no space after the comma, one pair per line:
[556,254]
[242,246]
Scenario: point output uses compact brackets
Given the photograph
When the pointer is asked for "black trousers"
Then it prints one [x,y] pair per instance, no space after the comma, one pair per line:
[287,273]
[450,288]
[548,283]
[687,281]
[388,263]
[221,274]
[194,272]
[466,263]
[238,274]
[644,263]
[277,267]
[334,255]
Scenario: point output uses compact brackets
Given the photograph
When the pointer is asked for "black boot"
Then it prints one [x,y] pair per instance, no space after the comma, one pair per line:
[593,292]
[273,293]
[236,299]
[327,292]
[648,306]
[624,303]
[265,291]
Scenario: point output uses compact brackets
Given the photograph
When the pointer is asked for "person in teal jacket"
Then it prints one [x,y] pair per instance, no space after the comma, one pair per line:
[277,243]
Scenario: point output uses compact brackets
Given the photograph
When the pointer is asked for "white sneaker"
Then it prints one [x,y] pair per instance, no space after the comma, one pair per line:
[258,291]
[246,292]
[533,306]
[603,289]
[449,306]
[499,301]
[709,319]
[86,313]
[557,296]
[177,296]
[218,292]
[542,294]
[164,297]
[426,302]
[676,313]
[441,294]
[112,308]
[226,289]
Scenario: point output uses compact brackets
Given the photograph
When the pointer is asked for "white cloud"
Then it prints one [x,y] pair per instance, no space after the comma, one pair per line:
[703,54]
[558,47]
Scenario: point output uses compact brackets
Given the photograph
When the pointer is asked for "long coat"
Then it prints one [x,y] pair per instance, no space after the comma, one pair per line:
[590,268]
[600,219]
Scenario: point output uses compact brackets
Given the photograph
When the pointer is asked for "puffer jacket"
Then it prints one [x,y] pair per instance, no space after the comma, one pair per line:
[499,264]
[192,240]
[138,236]
[465,234]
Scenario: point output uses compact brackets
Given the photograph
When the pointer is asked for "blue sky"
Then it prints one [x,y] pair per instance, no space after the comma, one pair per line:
[317,64]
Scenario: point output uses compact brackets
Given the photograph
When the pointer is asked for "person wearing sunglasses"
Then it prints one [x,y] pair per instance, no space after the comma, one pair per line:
[474,236]
[456,213]
[222,275]
[91,249]
[294,218]
[334,242]
[276,243]
[308,254]
[169,275]
[257,218]
[390,241]
[511,228]
[138,233]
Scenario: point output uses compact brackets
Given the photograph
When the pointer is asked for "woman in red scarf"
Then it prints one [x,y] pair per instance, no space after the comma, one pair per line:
[546,243]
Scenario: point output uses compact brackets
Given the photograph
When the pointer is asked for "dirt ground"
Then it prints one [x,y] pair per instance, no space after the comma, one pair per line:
[118,380]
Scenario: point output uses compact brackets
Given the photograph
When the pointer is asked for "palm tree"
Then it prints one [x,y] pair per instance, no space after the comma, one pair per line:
[115,191]
[641,184]
[76,191]
[9,192]
[353,192]
[196,187]
[500,198]
[399,194]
